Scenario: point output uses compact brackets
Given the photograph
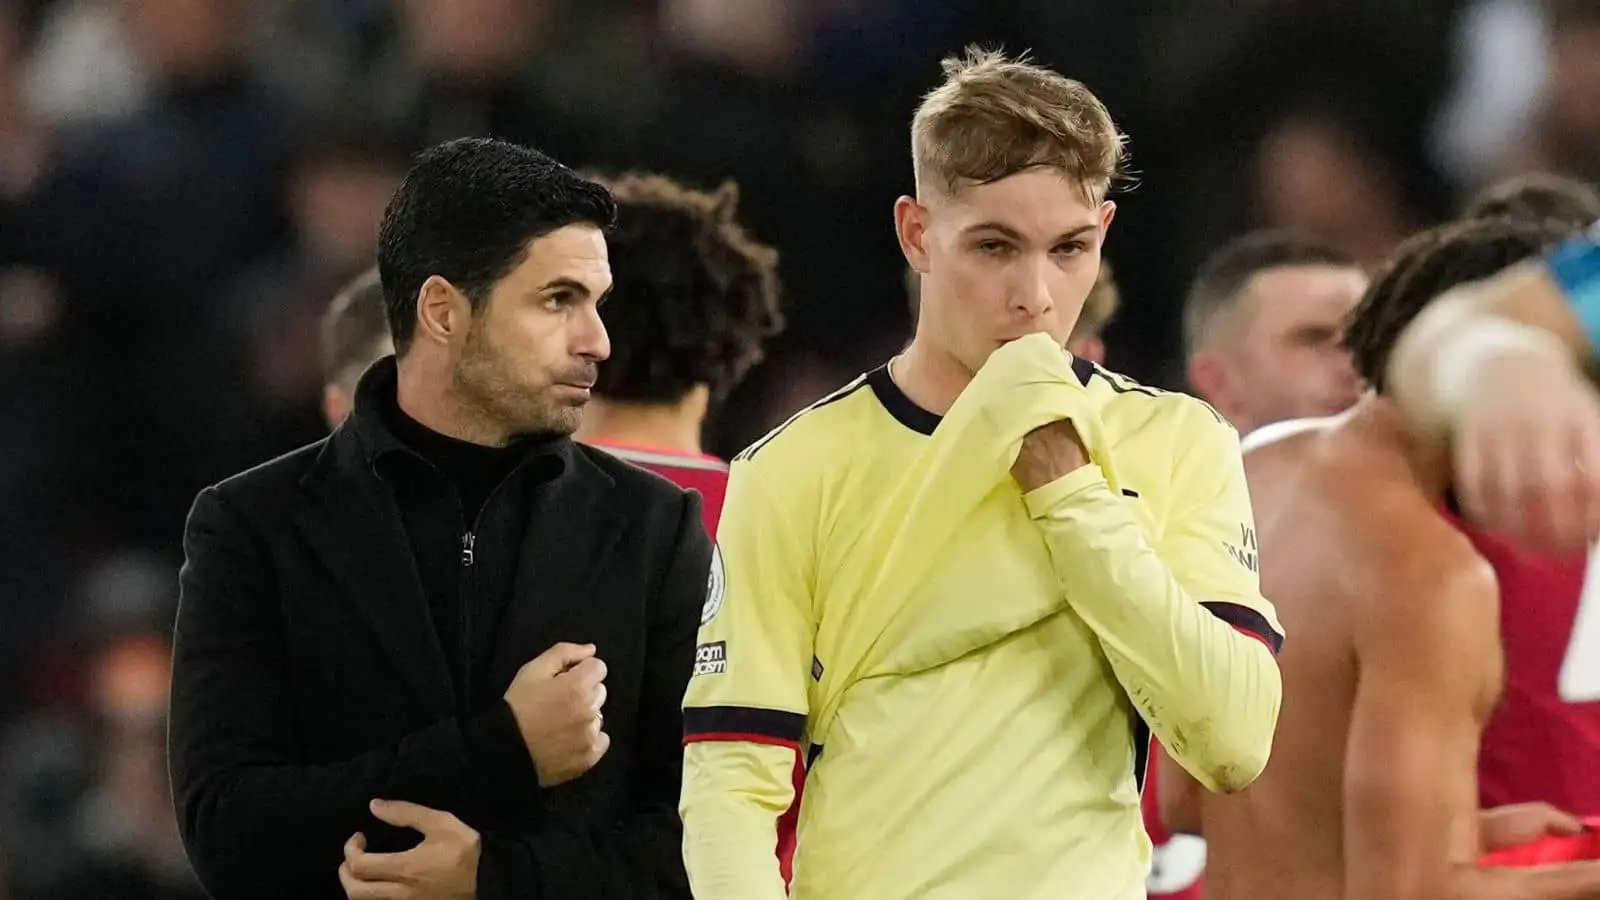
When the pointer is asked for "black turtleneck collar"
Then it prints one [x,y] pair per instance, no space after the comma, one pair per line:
[473,469]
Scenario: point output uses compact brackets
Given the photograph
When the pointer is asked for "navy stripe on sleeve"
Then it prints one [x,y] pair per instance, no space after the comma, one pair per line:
[743,723]
[1247,620]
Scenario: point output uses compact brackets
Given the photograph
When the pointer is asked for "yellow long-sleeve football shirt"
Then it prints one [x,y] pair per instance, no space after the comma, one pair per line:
[972,669]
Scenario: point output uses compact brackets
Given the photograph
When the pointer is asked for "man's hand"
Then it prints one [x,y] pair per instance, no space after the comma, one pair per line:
[443,867]
[1527,452]
[556,698]
[1049,452]
[1505,827]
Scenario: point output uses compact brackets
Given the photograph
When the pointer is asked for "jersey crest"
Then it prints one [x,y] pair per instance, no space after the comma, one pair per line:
[716,585]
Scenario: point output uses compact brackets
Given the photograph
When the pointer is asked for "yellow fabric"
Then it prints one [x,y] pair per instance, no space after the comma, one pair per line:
[896,596]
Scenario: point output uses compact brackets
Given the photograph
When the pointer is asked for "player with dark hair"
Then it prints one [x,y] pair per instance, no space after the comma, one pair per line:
[1405,658]
[354,335]
[1538,195]
[695,299]
[442,652]
[1261,328]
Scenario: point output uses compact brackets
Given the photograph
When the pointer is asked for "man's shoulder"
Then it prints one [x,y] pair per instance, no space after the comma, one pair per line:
[1143,418]
[636,485]
[820,434]
[1127,399]
[274,482]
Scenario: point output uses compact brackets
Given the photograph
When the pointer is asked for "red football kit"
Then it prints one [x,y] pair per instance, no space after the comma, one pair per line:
[693,471]
[709,476]
[1537,747]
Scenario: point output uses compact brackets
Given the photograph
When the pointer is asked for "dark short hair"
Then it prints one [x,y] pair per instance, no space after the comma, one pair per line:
[355,329]
[696,295]
[1564,15]
[1539,195]
[1430,264]
[1225,273]
[466,211]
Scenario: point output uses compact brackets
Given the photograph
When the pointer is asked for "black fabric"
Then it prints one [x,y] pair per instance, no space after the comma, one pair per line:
[464,507]
[472,469]
[1247,620]
[309,677]
[727,722]
[903,408]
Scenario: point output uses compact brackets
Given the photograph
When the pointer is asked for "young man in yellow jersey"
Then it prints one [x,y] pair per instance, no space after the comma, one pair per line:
[963,585]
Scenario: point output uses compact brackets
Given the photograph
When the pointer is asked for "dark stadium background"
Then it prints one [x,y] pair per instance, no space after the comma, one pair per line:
[183,183]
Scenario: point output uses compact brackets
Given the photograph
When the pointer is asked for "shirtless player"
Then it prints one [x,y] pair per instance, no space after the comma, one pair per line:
[1396,662]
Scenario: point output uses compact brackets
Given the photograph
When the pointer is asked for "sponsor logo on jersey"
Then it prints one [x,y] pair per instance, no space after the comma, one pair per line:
[711,659]
[1244,553]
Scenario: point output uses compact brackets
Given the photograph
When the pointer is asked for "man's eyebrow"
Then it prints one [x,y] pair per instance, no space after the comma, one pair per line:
[1008,232]
[565,283]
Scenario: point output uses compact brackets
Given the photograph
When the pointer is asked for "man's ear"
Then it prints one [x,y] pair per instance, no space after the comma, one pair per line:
[443,312]
[911,227]
[1210,378]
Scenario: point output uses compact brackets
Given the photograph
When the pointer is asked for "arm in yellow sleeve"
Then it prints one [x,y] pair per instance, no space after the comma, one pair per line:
[746,706]
[1170,618]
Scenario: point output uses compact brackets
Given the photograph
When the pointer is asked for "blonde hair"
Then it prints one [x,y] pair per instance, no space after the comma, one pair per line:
[1098,307]
[994,117]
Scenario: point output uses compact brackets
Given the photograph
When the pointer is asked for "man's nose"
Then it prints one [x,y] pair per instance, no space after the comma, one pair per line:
[1032,295]
[590,341]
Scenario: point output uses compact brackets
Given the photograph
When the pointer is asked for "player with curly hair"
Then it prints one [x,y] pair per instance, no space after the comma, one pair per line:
[695,299]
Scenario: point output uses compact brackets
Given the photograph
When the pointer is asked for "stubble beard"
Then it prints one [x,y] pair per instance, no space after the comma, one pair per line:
[489,383]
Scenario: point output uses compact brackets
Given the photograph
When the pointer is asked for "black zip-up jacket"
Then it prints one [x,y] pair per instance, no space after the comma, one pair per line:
[310,675]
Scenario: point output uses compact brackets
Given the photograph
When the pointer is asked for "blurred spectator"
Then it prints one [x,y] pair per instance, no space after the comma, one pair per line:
[85,66]
[479,67]
[31,405]
[1303,115]
[344,170]
[22,135]
[143,218]
[45,766]
[71,772]
[1566,133]
[125,826]
[1317,174]
[1502,70]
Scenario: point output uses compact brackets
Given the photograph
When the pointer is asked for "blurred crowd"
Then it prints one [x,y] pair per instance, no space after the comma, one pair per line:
[185,183]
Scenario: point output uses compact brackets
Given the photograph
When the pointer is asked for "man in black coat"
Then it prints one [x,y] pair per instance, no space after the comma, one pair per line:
[440,654]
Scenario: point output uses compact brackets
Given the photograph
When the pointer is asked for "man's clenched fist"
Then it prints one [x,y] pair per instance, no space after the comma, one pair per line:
[1049,452]
[556,698]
